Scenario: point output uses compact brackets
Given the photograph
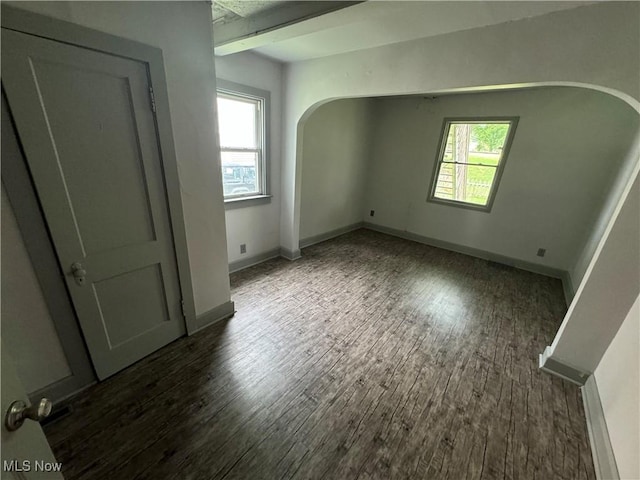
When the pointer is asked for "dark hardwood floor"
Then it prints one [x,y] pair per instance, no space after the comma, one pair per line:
[371,357]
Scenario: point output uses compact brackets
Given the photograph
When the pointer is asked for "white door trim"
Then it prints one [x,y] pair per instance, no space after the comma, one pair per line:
[66,32]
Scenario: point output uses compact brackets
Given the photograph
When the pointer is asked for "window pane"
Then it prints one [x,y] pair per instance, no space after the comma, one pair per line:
[465,183]
[444,186]
[476,143]
[489,138]
[470,160]
[237,122]
[240,173]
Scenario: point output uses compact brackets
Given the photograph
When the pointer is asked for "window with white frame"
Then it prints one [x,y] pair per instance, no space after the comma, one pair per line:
[470,161]
[242,125]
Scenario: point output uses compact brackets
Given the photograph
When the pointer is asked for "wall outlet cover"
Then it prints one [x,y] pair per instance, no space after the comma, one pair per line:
[243,248]
[541,252]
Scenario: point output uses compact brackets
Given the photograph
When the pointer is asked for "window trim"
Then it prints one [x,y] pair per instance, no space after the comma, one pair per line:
[226,87]
[513,121]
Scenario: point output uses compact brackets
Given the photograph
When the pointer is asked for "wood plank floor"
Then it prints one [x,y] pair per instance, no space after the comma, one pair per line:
[371,357]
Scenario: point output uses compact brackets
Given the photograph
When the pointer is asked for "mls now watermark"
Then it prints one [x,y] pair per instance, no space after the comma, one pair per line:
[29,466]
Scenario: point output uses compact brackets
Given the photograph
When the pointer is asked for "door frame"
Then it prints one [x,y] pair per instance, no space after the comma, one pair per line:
[33,229]
[72,34]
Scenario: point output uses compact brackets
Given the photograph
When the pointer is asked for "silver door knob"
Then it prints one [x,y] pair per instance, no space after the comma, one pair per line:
[18,412]
[78,272]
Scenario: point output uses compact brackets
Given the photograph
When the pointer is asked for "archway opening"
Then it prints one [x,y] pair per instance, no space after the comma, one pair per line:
[370,161]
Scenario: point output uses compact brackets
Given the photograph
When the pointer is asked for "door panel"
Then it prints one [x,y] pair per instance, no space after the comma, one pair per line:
[104,113]
[118,297]
[89,134]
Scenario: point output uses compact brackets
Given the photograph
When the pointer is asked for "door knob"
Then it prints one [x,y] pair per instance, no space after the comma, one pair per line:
[78,272]
[18,412]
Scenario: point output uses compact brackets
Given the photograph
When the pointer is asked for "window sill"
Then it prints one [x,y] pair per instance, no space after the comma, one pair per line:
[241,202]
[459,204]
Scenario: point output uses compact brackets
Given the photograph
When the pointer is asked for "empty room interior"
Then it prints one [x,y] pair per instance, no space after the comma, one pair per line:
[320,239]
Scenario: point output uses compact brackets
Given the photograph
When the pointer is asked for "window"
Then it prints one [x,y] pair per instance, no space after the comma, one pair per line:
[470,161]
[242,113]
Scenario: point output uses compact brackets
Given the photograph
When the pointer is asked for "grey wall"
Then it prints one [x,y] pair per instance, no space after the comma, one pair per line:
[595,46]
[28,332]
[336,160]
[605,296]
[183,31]
[258,226]
[602,217]
[618,379]
[568,147]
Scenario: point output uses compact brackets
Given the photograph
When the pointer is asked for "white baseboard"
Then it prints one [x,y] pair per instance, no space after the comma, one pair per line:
[253,260]
[215,315]
[604,460]
[473,252]
[60,391]
[307,242]
[290,254]
[559,368]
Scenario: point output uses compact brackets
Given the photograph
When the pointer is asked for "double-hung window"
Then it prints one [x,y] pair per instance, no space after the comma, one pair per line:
[242,114]
[470,161]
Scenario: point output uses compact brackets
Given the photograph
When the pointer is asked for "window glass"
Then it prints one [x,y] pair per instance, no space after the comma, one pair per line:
[237,123]
[241,121]
[240,173]
[469,162]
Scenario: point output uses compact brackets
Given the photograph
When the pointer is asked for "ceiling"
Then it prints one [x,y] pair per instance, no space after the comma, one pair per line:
[236,20]
[376,23]
[225,11]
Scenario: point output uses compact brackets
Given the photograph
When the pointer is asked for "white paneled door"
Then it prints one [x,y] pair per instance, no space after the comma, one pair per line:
[86,123]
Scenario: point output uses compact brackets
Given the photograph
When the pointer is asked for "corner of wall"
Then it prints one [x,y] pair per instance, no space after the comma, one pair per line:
[555,366]
[217,314]
[604,459]
[599,225]
[568,287]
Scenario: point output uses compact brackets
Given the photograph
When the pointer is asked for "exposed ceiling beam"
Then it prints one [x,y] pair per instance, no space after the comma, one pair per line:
[235,36]
[376,23]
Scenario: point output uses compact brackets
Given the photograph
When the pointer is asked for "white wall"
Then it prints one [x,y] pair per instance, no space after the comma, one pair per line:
[611,285]
[257,226]
[602,217]
[594,46]
[28,331]
[337,151]
[618,380]
[183,31]
[568,146]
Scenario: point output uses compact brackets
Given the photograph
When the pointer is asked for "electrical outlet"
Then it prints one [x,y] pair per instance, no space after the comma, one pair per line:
[243,248]
[541,252]
[372,213]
